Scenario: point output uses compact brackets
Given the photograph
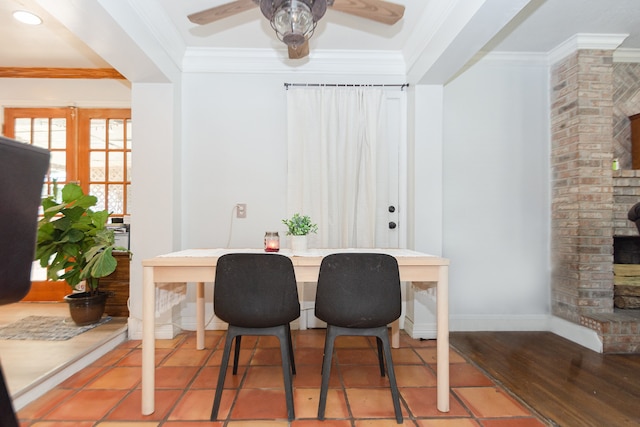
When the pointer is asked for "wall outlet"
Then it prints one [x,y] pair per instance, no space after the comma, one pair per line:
[241,210]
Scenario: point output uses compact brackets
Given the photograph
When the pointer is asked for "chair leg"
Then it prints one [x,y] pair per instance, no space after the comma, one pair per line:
[236,354]
[7,415]
[395,395]
[291,359]
[380,356]
[223,371]
[326,369]
[382,338]
[284,335]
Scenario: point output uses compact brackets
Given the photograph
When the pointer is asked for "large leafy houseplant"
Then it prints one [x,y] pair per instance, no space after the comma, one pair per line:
[73,242]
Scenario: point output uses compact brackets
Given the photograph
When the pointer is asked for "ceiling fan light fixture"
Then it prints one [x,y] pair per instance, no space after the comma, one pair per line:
[293,22]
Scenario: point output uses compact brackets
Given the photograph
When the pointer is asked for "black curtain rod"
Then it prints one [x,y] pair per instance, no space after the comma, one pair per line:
[401,86]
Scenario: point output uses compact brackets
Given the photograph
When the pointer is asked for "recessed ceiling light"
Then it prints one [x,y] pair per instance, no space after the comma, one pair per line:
[27,17]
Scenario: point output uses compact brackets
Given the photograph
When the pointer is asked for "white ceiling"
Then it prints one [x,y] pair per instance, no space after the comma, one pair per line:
[539,28]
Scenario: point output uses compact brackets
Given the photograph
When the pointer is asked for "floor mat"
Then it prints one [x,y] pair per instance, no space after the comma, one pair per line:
[45,328]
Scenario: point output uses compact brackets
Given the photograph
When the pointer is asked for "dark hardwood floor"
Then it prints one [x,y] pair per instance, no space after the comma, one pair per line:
[565,383]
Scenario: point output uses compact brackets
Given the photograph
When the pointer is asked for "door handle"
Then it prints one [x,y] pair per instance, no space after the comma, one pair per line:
[392,225]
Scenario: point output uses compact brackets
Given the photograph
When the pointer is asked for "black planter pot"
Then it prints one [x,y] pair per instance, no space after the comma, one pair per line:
[86,308]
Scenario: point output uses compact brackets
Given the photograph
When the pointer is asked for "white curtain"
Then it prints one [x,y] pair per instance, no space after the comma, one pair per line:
[335,139]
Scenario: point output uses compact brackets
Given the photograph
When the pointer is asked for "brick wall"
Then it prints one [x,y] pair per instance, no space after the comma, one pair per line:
[626,102]
[582,184]
[626,182]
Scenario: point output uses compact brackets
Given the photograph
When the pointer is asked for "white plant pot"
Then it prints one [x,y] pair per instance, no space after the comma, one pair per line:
[298,243]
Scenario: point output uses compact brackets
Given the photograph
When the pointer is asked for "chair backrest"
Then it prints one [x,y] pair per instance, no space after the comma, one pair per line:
[22,171]
[255,290]
[358,290]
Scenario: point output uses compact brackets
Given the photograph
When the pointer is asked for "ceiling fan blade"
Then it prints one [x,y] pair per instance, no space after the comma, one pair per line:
[300,51]
[377,10]
[219,12]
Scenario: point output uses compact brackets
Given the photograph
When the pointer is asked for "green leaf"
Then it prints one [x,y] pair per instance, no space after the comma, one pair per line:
[105,237]
[101,265]
[86,201]
[62,223]
[71,192]
[99,219]
[51,208]
[73,277]
[74,213]
[74,236]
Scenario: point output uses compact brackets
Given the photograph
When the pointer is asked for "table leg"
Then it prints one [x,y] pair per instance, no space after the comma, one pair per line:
[148,341]
[442,342]
[200,316]
[395,334]
[303,313]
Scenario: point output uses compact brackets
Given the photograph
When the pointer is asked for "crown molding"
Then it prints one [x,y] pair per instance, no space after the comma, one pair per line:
[573,44]
[626,55]
[584,41]
[269,61]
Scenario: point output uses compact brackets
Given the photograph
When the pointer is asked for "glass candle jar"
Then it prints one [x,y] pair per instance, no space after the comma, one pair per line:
[271,241]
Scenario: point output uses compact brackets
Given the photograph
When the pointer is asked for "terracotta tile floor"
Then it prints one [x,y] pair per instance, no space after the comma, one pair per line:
[107,394]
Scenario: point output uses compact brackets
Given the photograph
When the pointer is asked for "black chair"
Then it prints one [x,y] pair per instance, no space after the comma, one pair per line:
[22,171]
[256,294]
[358,294]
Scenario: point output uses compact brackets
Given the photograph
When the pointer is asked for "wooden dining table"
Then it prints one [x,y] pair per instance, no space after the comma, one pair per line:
[198,266]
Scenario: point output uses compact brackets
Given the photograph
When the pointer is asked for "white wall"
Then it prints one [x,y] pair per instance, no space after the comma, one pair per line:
[156,179]
[496,203]
[426,186]
[235,151]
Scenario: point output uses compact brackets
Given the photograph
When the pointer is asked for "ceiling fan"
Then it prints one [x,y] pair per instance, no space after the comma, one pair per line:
[295,20]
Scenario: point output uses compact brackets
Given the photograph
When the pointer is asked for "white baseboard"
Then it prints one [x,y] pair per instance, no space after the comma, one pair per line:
[164,331]
[500,322]
[573,332]
[422,330]
[578,334]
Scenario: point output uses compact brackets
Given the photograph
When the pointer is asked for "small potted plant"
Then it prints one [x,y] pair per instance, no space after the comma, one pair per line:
[74,244]
[298,227]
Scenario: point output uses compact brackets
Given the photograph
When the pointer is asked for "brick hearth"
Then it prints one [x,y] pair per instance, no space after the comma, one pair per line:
[619,331]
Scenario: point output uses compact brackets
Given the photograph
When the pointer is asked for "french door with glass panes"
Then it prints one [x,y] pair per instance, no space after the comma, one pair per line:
[89,146]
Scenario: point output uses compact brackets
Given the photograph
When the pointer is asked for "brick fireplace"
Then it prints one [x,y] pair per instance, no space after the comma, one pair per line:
[591,100]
